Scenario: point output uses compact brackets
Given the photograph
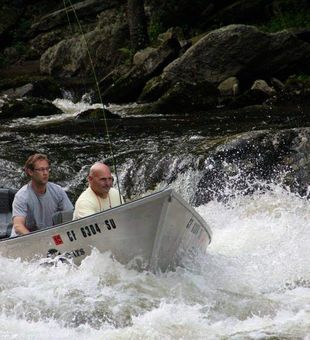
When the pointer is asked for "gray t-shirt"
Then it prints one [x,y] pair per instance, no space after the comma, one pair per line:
[39,209]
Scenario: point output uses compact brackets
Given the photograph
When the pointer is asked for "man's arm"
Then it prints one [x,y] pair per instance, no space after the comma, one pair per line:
[19,212]
[65,202]
[19,225]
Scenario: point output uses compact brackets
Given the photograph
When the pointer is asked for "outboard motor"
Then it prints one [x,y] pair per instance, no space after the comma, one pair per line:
[6,200]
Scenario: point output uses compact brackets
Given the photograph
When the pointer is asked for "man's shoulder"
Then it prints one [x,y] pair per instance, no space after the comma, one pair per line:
[87,194]
[22,199]
[23,191]
[113,192]
[54,186]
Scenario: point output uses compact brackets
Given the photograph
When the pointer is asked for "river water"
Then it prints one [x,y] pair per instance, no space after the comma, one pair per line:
[253,282]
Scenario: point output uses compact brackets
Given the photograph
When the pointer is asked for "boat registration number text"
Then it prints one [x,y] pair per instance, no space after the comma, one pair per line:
[91,230]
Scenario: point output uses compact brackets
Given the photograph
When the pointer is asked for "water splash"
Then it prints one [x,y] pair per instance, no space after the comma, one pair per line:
[253,283]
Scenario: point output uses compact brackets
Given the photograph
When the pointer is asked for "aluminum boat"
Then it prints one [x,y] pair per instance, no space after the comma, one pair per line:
[161,230]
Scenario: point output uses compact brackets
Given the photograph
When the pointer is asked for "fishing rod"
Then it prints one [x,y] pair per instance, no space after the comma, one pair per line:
[108,138]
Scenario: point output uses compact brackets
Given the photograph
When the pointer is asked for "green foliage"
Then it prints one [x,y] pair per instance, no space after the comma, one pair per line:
[298,84]
[303,77]
[174,13]
[287,20]
[128,55]
[299,79]
[154,29]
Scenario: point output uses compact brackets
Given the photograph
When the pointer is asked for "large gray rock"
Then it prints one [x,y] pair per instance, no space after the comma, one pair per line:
[235,51]
[185,98]
[129,87]
[43,41]
[70,57]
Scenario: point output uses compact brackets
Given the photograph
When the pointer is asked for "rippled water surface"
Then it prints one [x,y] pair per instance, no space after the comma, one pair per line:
[253,282]
[146,150]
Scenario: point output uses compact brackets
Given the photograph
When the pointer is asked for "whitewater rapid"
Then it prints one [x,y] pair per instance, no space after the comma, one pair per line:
[253,283]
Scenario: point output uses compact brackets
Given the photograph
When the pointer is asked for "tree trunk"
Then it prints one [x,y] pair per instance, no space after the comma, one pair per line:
[137,24]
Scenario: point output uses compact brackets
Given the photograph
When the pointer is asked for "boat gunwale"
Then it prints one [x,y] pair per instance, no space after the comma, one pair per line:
[164,192]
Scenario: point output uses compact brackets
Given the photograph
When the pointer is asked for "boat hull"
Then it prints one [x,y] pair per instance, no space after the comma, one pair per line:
[160,229]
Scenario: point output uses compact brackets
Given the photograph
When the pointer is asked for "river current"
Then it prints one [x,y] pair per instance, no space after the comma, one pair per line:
[253,282]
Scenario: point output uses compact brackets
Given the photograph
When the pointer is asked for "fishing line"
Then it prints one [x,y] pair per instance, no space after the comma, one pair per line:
[108,138]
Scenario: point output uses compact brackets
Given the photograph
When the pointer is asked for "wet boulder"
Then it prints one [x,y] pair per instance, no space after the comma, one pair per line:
[95,114]
[252,161]
[27,107]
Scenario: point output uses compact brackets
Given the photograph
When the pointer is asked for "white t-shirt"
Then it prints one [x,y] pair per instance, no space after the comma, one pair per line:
[89,203]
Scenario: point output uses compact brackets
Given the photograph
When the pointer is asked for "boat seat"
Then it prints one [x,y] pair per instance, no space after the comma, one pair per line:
[62,216]
[6,200]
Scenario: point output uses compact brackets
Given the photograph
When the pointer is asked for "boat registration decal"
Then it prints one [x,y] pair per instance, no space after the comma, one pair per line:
[52,253]
[91,230]
[57,240]
[110,224]
[71,235]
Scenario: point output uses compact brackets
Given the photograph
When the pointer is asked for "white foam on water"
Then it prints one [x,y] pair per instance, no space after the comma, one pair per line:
[70,111]
[253,283]
[258,264]
[71,108]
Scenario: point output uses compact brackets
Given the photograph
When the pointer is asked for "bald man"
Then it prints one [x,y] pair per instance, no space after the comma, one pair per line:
[99,195]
